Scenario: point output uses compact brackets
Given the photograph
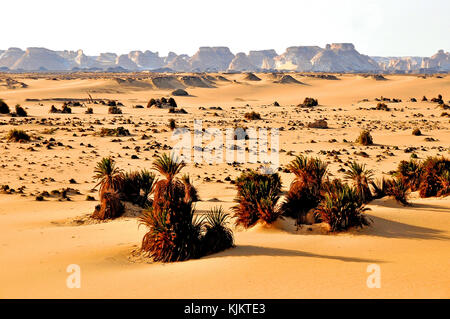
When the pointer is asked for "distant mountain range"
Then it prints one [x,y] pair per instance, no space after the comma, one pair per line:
[336,57]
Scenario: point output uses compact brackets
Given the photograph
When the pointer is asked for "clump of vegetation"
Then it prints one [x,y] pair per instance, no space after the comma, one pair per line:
[4,108]
[257,198]
[137,186]
[114,110]
[309,102]
[65,110]
[365,138]
[424,99]
[305,192]
[174,233]
[416,132]
[361,178]
[217,236]
[89,110]
[172,124]
[410,173]
[110,181]
[399,191]
[435,170]
[382,107]
[342,209]
[20,111]
[438,99]
[252,116]
[20,136]
[162,103]
[119,131]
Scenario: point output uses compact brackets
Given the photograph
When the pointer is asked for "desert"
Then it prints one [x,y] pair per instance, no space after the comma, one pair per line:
[67,123]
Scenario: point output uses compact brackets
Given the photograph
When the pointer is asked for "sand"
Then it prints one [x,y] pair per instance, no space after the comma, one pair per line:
[39,239]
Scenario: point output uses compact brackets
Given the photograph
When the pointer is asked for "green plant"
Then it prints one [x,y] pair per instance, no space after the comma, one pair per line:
[343,209]
[15,135]
[110,206]
[191,191]
[361,177]
[257,198]
[433,169]
[365,138]
[4,108]
[399,190]
[20,111]
[411,173]
[217,236]
[109,176]
[305,192]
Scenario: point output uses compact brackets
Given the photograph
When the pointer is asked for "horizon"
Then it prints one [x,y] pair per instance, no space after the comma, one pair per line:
[121,29]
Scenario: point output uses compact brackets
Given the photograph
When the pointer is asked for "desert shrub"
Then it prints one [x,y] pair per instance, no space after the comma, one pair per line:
[343,209]
[146,183]
[424,99]
[174,234]
[18,136]
[217,236]
[416,132]
[129,189]
[20,111]
[4,108]
[114,110]
[191,191]
[444,180]
[309,102]
[361,178]
[410,172]
[53,109]
[110,206]
[89,110]
[398,190]
[172,102]
[434,168]
[305,191]
[257,198]
[382,107]
[109,176]
[365,138]
[120,131]
[380,188]
[172,124]
[151,103]
[252,116]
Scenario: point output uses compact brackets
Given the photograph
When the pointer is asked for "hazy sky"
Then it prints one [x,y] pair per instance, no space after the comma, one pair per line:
[382,27]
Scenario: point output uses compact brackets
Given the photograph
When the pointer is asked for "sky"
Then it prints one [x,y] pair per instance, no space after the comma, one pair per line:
[377,28]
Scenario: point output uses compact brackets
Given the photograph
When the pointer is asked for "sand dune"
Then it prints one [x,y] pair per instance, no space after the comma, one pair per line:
[411,245]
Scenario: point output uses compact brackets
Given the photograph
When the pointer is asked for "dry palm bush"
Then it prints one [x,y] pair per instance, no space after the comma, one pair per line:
[4,108]
[342,209]
[114,110]
[257,198]
[361,178]
[191,191]
[399,191]
[380,188]
[444,180]
[18,136]
[146,182]
[434,172]
[110,206]
[410,172]
[365,138]
[20,111]
[217,236]
[109,176]
[305,192]
[252,116]
[174,234]
[129,187]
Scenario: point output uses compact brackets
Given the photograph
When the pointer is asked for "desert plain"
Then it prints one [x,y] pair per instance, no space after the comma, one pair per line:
[40,239]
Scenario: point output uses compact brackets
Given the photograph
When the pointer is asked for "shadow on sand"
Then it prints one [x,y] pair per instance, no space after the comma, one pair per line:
[392,229]
[250,250]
